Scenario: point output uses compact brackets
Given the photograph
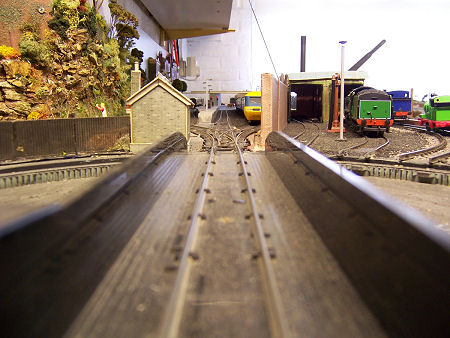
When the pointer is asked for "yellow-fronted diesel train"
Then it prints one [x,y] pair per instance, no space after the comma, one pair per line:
[250,104]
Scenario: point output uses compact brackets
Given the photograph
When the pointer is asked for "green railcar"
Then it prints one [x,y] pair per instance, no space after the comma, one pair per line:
[436,113]
[369,110]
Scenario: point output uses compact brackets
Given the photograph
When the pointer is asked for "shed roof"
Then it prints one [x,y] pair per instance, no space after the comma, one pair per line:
[308,76]
[161,82]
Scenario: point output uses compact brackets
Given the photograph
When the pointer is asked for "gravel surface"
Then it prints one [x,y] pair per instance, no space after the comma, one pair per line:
[401,140]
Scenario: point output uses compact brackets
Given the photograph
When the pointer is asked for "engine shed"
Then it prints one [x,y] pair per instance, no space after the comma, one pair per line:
[311,93]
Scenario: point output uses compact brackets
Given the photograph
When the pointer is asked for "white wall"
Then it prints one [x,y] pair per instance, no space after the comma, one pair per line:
[225,58]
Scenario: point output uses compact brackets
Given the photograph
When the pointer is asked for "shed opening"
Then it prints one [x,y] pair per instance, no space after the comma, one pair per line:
[309,101]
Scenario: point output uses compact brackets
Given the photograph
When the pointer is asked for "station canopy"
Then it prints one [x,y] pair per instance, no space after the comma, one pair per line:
[190,18]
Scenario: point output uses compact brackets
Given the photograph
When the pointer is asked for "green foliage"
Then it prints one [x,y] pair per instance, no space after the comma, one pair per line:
[60,25]
[81,65]
[88,20]
[32,47]
[123,25]
[102,27]
[66,10]
[111,50]
[30,29]
[35,52]
[126,35]
[184,86]
[122,144]
[137,55]
[179,85]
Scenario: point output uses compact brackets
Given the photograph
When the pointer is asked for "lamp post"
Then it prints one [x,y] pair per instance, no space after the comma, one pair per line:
[341,123]
[206,92]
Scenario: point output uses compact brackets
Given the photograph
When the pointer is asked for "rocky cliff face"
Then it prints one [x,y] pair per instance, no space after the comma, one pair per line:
[80,75]
[17,90]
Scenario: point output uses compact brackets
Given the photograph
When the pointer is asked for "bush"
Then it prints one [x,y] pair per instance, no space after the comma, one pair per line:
[60,25]
[177,85]
[8,52]
[184,86]
[123,25]
[35,52]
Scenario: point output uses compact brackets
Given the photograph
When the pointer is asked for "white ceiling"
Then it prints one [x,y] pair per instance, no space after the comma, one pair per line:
[191,14]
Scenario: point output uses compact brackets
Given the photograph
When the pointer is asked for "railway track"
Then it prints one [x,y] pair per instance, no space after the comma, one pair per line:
[210,133]
[176,244]
[345,151]
[392,170]
[223,134]
[49,170]
[442,143]
[368,155]
[315,131]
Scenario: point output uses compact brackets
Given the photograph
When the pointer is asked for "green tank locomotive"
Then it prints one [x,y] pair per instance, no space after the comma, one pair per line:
[436,113]
[369,110]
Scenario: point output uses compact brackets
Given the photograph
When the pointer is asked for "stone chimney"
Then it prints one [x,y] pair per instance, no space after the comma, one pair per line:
[135,79]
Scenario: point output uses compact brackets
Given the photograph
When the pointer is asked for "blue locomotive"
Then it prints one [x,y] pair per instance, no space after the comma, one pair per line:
[401,105]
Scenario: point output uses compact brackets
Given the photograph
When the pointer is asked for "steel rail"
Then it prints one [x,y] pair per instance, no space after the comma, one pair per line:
[277,319]
[44,175]
[392,170]
[342,151]
[302,132]
[437,158]
[316,136]
[172,317]
[414,127]
[411,154]
[379,147]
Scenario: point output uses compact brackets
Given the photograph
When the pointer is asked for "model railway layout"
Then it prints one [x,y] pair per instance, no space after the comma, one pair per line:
[225,243]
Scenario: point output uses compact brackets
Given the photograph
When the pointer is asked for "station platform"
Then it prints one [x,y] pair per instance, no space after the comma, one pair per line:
[195,142]
[205,116]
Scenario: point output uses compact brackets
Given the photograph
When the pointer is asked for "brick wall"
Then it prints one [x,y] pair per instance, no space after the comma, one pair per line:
[274,108]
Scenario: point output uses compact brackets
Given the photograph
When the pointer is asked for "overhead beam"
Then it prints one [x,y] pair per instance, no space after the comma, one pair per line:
[173,34]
